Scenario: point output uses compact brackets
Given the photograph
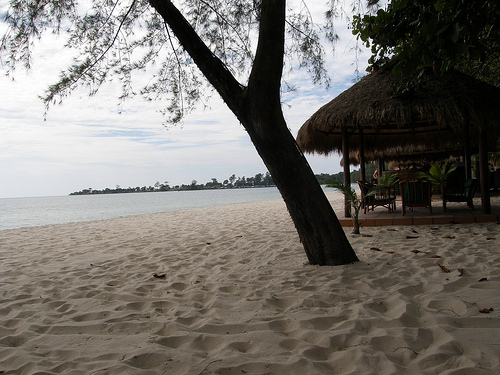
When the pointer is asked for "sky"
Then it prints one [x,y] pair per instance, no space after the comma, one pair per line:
[95,143]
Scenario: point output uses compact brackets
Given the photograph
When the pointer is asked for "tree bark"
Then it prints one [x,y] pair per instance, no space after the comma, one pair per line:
[258,108]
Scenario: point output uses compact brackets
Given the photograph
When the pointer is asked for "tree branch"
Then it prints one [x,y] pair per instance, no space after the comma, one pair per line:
[179,74]
[85,67]
[221,16]
[265,78]
[209,64]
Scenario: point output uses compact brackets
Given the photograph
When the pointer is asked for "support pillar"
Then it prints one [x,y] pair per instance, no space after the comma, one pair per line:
[380,166]
[467,153]
[362,162]
[484,173]
[347,171]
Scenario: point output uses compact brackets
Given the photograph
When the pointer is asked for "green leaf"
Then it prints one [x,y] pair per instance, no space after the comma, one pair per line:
[397,70]
[439,5]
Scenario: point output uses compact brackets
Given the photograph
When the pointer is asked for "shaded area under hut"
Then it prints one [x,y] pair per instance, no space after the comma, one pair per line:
[434,114]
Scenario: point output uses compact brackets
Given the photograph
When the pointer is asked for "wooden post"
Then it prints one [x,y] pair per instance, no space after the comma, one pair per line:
[362,168]
[380,166]
[484,173]
[467,153]
[347,171]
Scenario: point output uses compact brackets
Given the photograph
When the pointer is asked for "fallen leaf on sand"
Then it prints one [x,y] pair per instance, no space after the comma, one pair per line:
[443,268]
[160,276]
[390,252]
[366,235]
[416,251]
[483,279]
[410,237]
[486,311]
[490,238]
[435,256]
[450,237]
[460,271]
[375,248]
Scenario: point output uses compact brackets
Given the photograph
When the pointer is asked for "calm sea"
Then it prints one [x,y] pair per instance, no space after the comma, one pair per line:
[28,212]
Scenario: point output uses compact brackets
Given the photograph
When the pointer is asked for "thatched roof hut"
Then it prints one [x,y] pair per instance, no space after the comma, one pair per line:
[410,154]
[435,115]
[441,112]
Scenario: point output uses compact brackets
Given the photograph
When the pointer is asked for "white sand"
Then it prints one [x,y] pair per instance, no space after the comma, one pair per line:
[239,298]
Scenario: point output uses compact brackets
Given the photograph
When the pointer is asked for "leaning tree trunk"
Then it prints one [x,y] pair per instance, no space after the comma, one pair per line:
[320,232]
[258,108]
[319,229]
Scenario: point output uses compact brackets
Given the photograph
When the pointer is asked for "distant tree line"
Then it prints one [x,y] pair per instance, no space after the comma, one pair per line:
[233,182]
[325,178]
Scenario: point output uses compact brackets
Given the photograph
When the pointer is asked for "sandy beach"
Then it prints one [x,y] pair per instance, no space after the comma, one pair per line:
[227,290]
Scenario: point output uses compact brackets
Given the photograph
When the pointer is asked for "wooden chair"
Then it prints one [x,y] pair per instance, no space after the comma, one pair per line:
[372,201]
[463,193]
[415,193]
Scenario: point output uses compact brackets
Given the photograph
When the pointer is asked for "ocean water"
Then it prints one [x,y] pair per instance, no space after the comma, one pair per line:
[29,212]
[37,211]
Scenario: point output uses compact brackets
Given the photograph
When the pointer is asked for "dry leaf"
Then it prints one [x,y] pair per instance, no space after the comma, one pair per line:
[410,237]
[390,252]
[450,237]
[490,238]
[483,279]
[375,248]
[160,276]
[416,251]
[366,235]
[460,271]
[486,311]
[435,256]
[443,268]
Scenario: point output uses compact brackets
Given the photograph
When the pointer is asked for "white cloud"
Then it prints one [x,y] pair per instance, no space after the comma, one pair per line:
[87,143]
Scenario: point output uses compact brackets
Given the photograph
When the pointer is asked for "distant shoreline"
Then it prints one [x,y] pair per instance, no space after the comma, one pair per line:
[260,180]
[128,190]
[233,182]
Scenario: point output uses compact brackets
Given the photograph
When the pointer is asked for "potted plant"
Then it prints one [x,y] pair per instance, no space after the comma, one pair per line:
[438,176]
[386,182]
[353,201]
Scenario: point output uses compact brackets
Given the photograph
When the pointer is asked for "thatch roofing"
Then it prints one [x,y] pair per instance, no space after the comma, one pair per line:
[435,114]
[408,154]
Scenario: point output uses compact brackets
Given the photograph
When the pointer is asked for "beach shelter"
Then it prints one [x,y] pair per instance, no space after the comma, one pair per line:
[383,115]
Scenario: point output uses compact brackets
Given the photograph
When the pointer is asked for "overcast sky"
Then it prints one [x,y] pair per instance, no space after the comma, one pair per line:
[87,143]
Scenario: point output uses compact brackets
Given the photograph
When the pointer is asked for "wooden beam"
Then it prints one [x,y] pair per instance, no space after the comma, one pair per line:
[362,169]
[467,153]
[484,173]
[347,171]
[380,166]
